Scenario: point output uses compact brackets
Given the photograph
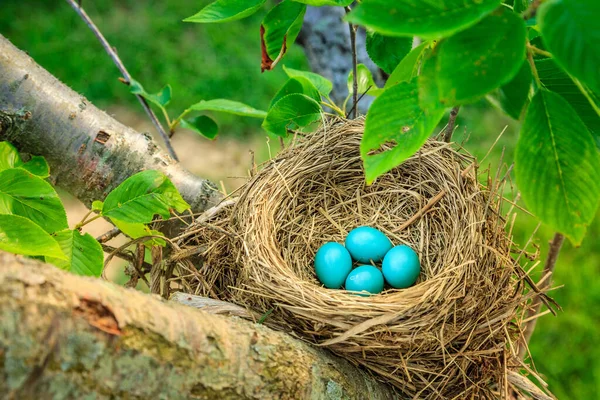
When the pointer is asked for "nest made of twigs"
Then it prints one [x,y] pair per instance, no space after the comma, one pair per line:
[451,335]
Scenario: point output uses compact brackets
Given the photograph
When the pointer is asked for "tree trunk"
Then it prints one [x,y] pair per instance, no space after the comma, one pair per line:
[89,152]
[68,337]
[326,40]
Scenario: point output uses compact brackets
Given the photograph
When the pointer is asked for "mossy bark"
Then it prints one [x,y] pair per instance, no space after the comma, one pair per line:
[68,337]
[89,152]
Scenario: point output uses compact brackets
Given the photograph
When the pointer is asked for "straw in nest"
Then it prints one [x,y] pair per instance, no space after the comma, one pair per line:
[452,335]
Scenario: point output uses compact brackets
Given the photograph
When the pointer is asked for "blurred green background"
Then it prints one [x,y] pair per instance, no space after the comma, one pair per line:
[223,61]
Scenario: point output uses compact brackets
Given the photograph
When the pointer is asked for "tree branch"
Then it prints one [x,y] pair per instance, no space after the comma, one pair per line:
[555,246]
[326,40]
[354,65]
[117,61]
[449,131]
[89,152]
[73,336]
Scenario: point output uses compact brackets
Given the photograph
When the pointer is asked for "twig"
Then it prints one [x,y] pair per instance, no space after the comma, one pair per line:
[354,65]
[117,61]
[555,246]
[451,124]
[531,10]
[132,260]
[359,99]
[105,237]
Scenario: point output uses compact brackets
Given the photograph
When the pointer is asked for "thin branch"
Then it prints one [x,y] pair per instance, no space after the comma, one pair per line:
[451,124]
[105,237]
[555,246]
[531,10]
[354,65]
[117,61]
[359,99]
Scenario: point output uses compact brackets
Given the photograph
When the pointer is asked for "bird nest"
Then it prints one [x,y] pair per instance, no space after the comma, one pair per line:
[452,335]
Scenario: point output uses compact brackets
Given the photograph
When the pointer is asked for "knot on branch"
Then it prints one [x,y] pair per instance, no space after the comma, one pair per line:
[11,122]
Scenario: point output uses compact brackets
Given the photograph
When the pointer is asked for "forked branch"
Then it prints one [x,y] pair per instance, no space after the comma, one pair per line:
[117,61]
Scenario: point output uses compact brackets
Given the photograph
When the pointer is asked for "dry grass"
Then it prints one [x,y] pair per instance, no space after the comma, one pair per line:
[452,335]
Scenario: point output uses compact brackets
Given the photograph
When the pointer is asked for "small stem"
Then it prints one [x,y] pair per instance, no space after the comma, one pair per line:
[539,51]
[166,115]
[85,222]
[177,120]
[451,124]
[555,246]
[82,222]
[534,71]
[117,61]
[334,108]
[354,65]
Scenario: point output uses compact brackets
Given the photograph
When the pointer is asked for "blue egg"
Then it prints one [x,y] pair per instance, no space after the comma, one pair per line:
[365,277]
[401,267]
[332,265]
[367,244]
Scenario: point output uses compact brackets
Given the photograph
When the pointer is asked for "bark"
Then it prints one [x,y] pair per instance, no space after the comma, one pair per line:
[326,40]
[89,152]
[69,337]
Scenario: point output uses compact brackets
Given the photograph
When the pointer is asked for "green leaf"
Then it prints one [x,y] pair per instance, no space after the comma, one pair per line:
[557,166]
[226,10]
[426,19]
[202,124]
[228,106]
[84,253]
[21,236]
[37,166]
[9,158]
[428,88]
[408,68]
[365,80]
[290,112]
[481,58]
[297,85]
[521,5]
[281,27]
[137,230]
[570,32]
[29,196]
[141,196]
[556,80]
[512,96]
[97,205]
[395,128]
[386,51]
[323,85]
[319,3]
[161,99]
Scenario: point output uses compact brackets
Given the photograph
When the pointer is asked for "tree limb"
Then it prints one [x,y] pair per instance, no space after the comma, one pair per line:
[64,336]
[119,64]
[89,152]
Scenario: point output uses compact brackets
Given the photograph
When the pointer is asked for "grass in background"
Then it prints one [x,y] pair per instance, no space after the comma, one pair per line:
[223,60]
